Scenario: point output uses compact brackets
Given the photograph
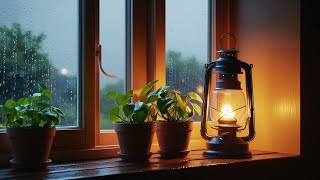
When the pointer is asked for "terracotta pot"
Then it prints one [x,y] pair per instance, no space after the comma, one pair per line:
[31,147]
[135,140]
[173,138]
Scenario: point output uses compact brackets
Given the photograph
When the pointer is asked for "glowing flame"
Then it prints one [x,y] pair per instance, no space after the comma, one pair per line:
[227,112]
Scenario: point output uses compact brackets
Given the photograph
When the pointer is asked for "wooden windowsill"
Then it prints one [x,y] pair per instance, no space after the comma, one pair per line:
[262,164]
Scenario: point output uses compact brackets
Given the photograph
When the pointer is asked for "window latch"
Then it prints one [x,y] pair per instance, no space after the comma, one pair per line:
[99,53]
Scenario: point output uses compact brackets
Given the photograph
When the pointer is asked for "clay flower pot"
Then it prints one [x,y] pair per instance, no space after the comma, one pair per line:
[135,140]
[173,138]
[31,147]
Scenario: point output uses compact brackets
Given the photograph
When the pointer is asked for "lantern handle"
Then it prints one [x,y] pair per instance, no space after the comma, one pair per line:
[203,130]
[249,90]
[234,38]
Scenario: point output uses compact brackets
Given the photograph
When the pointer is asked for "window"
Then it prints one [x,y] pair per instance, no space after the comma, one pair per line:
[33,50]
[113,41]
[186,44]
[131,33]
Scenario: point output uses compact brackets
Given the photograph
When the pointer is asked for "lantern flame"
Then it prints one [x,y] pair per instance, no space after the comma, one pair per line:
[227,112]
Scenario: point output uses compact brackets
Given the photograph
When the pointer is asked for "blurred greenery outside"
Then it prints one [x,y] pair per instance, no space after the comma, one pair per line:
[183,73]
[24,64]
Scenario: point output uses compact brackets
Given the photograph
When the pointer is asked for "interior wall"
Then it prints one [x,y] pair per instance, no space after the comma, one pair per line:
[268,36]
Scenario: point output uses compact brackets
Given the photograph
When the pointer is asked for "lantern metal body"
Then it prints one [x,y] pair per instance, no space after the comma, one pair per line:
[226,105]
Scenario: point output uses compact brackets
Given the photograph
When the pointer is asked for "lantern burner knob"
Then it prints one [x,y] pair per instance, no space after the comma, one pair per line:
[224,136]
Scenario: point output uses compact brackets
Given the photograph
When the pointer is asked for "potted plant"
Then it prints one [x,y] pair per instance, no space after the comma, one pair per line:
[133,123]
[174,127]
[30,125]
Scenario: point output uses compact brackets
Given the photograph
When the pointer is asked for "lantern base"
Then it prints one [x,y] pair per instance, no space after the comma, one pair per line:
[222,147]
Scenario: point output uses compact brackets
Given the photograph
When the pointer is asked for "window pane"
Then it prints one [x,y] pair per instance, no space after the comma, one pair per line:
[112,39]
[39,43]
[186,44]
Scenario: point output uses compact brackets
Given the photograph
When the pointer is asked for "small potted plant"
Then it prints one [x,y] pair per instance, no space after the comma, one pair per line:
[30,125]
[133,123]
[175,123]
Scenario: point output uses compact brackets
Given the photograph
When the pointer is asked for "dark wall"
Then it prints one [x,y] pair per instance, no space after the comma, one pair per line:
[310,46]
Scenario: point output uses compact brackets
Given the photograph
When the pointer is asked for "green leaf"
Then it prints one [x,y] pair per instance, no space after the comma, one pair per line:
[122,99]
[20,108]
[32,113]
[169,103]
[157,92]
[140,115]
[10,103]
[43,105]
[47,93]
[161,104]
[138,105]
[49,123]
[197,108]
[42,123]
[18,122]
[152,98]
[114,111]
[55,122]
[37,95]
[163,93]
[128,109]
[180,111]
[42,86]
[129,93]
[111,94]
[58,111]
[114,114]
[181,103]
[195,96]
[35,122]
[33,98]
[147,88]
[190,114]
[49,115]
[23,101]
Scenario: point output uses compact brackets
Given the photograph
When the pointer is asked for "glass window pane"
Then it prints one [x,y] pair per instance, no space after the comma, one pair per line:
[186,44]
[112,39]
[39,43]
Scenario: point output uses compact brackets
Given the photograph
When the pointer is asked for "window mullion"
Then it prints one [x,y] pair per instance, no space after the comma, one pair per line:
[87,136]
[91,85]
[139,46]
[156,43]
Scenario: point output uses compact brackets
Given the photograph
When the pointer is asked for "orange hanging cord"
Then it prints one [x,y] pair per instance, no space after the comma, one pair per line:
[99,53]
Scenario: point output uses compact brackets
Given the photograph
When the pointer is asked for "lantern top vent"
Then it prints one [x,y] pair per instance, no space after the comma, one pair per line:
[228,52]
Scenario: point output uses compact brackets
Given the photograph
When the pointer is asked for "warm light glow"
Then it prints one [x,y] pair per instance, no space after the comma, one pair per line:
[199,89]
[227,112]
[64,71]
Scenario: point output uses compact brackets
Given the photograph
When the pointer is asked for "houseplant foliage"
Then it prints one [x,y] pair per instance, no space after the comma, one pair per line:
[33,111]
[173,106]
[175,123]
[31,118]
[133,123]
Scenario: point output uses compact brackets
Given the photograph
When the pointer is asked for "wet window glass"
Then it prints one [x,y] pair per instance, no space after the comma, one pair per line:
[40,44]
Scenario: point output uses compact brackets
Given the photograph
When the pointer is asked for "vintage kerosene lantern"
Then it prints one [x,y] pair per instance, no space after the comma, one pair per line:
[225,105]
